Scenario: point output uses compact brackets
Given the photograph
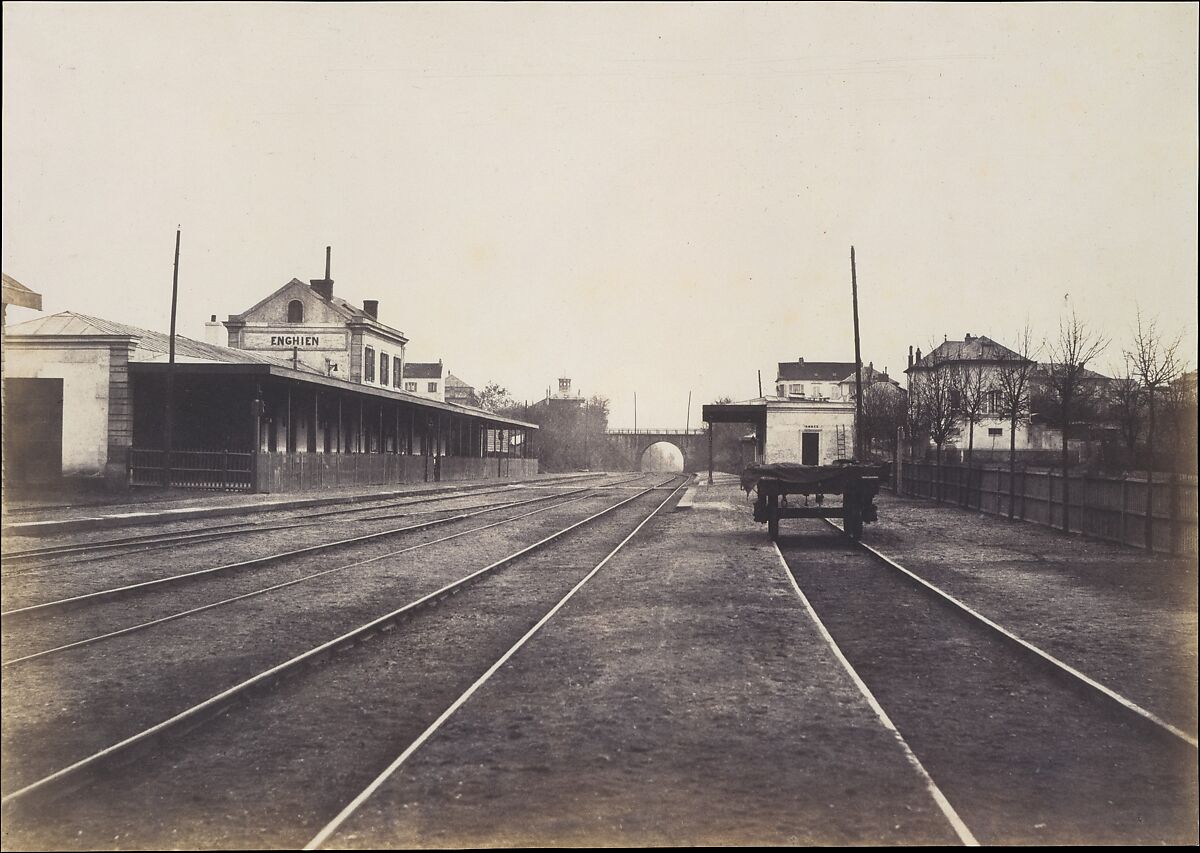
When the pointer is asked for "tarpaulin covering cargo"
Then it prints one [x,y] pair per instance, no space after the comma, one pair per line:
[826,479]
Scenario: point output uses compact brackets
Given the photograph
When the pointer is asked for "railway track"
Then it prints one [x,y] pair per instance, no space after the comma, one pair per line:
[430,685]
[126,589]
[1022,747]
[101,548]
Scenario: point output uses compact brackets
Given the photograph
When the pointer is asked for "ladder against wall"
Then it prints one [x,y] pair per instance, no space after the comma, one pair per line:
[842,442]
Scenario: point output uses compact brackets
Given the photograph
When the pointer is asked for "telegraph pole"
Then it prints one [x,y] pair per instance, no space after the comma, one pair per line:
[688,420]
[858,395]
[169,411]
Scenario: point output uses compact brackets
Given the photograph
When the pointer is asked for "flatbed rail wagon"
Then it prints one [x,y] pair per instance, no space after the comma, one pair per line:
[774,483]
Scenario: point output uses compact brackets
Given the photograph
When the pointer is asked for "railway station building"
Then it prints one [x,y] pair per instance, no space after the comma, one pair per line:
[308,394]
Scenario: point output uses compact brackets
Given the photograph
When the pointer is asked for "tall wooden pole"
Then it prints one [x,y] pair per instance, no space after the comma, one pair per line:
[760,383]
[635,412]
[169,404]
[688,420]
[858,392]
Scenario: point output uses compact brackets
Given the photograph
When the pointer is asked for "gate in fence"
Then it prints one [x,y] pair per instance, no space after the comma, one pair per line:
[193,469]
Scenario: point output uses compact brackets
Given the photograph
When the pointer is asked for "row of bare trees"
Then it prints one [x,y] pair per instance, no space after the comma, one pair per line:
[1064,389]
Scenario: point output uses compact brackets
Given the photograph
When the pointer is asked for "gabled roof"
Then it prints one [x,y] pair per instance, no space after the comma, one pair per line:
[423,370]
[151,346]
[453,381]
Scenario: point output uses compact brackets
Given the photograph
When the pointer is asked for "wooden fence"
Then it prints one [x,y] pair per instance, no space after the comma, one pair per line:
[1103,507]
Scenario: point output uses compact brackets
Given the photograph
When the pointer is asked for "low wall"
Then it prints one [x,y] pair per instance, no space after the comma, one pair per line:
[298,472]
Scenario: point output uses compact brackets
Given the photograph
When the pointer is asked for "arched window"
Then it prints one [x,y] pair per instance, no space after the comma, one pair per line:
[295,311]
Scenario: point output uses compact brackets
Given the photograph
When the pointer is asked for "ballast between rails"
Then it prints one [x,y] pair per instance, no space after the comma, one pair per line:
[1044,657]
[249,527]
[348,811]
[78,772]
[140,586]
[172,617]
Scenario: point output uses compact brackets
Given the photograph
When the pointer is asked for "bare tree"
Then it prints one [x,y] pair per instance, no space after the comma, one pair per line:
[1012,379]
[1070,353]
[1127,402]
[971,385]
[883,414]
[936,387]
[1155,364]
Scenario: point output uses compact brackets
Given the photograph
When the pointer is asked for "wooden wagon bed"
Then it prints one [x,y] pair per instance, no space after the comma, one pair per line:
[857,484]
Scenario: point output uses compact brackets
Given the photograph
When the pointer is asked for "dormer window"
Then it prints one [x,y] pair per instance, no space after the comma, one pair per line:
[295,311]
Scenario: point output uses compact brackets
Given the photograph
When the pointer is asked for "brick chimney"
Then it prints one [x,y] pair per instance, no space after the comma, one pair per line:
[910,361]
[323,286]
[371,308]
[212,331]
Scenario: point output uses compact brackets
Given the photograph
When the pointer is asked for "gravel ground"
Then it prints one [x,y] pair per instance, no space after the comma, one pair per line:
[683,697]
[1124,617]
[268,774]
[1024,757]
[60,708]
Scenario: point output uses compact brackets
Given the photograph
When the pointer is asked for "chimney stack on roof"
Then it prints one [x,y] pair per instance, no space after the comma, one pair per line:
[371,308]
[212,331]
[968,338]
[910,361]
[918,361]
[324,286]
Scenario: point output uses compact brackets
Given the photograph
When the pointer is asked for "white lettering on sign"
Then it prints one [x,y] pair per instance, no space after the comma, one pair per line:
[295,340]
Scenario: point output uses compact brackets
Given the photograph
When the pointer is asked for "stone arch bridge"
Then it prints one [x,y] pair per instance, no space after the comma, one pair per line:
[632,444]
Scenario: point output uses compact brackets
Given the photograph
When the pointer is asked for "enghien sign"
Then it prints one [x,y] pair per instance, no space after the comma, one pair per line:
[295,340]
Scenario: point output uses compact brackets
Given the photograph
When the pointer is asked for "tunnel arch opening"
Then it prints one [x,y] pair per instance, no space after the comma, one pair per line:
[662,456]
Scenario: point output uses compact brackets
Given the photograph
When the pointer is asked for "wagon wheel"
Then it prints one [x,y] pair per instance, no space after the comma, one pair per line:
[773,517]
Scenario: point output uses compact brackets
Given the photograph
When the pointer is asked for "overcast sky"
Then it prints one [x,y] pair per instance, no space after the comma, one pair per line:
[653,199]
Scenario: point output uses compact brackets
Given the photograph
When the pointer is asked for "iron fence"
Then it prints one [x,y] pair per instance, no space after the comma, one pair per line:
[193,469]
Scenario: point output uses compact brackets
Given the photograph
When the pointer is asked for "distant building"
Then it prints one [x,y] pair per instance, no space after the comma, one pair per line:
[457,391]
[993,428]
[425,379]
[823,380]
[563,397]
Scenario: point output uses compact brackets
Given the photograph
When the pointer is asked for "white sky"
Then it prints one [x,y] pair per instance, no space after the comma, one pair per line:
[654,199]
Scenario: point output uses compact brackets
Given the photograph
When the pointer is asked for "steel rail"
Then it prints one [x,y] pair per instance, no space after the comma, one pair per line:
[188,719]
[240,527]
[1045,657]
[275,587]
[114,592]
[330,828]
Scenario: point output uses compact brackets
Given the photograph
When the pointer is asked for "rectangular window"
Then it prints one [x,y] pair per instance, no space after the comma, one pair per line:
[410,386]
[396,371]
[368,364]
[995,431]
[384,362]
[432,387]
[797,389]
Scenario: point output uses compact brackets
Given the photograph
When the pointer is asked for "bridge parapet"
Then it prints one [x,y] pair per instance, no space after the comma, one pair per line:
[632,443]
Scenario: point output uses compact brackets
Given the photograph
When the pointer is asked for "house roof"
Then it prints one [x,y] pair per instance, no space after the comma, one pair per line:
[15,293]
[151,346]
[814,371]
[423,370]
[453,381]
[970,348]
[828,371]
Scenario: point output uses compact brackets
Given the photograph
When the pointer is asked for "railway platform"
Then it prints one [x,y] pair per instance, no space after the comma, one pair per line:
[32,519]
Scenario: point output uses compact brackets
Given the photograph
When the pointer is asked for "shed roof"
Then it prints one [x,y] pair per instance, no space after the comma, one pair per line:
[151,345]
